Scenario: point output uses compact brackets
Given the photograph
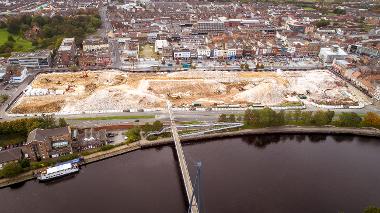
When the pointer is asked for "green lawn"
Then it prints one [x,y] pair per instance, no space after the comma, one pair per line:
[115,117]
[21,44]
[3,36]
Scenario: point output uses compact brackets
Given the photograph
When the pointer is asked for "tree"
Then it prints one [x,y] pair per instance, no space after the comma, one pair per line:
[12,169]
[349,119]
[232,118]
[322,23]
[222,118]
[62,122]
[321,118]
[157,125]
[11,39]
[24,163]
[339,11]
[371,119]
[133,134]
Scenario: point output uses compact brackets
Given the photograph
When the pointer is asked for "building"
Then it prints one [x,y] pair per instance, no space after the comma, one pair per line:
[38,59]
[88,139]
[66,53]
[359,49]
[96,53]
[10,156]
[327,55]
[18,75]
[2,72]
[203,52]
[160,45]
[94,59]
[95,44]
[209,27]
[182,54]
[48,143]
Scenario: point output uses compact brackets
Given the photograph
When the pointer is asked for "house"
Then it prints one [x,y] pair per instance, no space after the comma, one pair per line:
[9,156]
[48,143]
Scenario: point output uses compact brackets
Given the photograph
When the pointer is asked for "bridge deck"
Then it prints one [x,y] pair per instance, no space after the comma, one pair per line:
[182,164]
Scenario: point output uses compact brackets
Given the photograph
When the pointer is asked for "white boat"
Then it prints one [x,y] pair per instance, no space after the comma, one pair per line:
[58,171]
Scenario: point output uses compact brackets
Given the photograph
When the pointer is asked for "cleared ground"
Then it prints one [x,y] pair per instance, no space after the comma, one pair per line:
[147,52]
[114,90]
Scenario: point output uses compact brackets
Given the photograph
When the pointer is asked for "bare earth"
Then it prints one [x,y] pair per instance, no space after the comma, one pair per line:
[115,90]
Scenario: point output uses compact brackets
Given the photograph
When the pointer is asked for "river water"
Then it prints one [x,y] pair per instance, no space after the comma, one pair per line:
[290,174]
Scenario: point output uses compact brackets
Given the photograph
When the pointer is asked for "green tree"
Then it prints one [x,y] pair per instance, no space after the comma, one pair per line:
[12,169]
[222,118]
[24,163]
[322,23]
[62,122]
[133,134]
[232,118]
[157,125]
[349,119]
[321,118]
[11,39]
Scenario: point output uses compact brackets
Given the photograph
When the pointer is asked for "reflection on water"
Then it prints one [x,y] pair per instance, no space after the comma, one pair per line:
[266,174]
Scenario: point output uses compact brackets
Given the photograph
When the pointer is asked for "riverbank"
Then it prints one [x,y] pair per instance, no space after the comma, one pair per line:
[98,156]
[367,132]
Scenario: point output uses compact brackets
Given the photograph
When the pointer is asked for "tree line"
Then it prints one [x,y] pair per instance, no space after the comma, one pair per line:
[260,118]
[26,125]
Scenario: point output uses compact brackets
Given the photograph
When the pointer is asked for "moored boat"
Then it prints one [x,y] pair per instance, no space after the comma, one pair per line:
[58,171]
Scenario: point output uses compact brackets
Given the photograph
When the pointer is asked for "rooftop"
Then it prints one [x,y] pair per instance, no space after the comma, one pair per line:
[10,155]
[40,53]
[45,134]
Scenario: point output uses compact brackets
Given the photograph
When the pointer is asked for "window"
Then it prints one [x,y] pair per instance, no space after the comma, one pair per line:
[60,144]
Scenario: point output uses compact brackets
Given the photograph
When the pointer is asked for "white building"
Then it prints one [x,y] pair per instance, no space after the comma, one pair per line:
[181,54]
[20,76]
[159,45]
[203,52]
[327,55]
[2,72]
[231,53]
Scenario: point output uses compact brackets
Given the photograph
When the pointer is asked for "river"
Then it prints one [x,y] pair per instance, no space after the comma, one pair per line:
[288,174]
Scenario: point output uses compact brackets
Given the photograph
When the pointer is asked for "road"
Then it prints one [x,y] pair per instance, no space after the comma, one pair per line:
[15,92]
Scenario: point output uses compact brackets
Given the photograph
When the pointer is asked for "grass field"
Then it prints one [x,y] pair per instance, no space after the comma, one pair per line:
[115,117]
[21,45]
